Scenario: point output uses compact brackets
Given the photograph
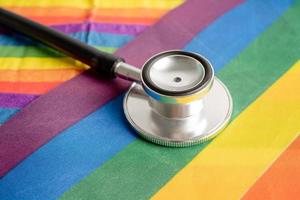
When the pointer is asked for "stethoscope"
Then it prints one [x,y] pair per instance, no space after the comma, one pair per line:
[175,99]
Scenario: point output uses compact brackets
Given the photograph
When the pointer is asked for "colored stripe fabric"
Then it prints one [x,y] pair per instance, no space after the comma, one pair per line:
[94,4]
[96,27]
[38,51]
[9,63]
[259,139]
[92,38]
[7,113]
[130,165]
[51,75]
[133,163]
[148,11]
[110,162]
[48,181]
[281,181]
[30,88]
[91,89]
[123,17]
[15,100]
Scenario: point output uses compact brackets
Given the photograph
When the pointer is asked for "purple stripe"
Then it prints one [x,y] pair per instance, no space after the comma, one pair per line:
[127,29]
[100,27]
[15,100]
[65,105]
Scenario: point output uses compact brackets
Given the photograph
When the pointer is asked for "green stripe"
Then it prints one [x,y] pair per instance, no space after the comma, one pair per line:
[142,169]
[38,51]
[107,49]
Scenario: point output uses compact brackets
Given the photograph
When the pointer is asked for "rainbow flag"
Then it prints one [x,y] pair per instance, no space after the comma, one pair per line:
[63,134]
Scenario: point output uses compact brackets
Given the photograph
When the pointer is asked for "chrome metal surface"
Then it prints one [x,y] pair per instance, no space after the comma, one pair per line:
[127,72]
[179,132]
[176,72]
[176,77]
[174,110]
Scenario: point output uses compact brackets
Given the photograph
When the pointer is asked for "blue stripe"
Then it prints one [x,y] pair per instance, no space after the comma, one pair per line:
[91,38]
[70,156]
[6,114]
[224,39]
[79,150]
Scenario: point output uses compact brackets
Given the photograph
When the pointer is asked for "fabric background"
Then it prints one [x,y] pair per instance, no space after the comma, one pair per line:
[254,48]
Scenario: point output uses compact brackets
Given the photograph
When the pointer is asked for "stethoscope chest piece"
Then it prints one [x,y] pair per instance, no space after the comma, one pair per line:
[178,102]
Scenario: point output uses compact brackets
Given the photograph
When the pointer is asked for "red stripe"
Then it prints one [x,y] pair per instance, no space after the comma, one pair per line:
[27,87]
[100,19]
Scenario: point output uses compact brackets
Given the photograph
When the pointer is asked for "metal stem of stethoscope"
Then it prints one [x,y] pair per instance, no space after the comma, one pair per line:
[175,100]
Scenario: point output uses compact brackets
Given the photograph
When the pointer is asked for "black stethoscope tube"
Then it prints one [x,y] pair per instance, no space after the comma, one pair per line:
[99,61]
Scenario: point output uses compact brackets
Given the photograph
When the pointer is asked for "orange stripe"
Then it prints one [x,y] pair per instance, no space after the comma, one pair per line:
[282,180]
[38,75]
[66,15]
[27,87]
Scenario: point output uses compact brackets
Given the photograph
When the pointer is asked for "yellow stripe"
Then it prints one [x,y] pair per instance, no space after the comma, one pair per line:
[234,160]
[39,63]
[160,4]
